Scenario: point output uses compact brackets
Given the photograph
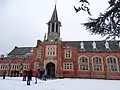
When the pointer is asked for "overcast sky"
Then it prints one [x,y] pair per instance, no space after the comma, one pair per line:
[22,22]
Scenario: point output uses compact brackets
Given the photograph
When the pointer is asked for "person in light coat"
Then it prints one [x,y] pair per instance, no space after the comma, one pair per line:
[45,74]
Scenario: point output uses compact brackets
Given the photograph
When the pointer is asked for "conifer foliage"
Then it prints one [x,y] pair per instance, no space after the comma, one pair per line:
[107,24]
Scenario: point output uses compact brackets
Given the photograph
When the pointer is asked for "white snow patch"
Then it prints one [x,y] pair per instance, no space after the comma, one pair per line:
[16,83]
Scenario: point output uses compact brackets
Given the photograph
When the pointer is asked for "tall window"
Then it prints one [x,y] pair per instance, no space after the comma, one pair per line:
[67,54]
[97,64]
[112,63]
[52,27]
[25,66]
[3,66]
[67,66]
[15,67]
[57,27]
[83,63]
[39,53]
[51,50]
[36,65]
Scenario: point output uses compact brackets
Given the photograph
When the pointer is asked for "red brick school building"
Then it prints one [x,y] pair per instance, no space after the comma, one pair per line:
[83,59]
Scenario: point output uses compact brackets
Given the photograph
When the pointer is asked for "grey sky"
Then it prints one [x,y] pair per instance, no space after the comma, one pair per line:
[22,22]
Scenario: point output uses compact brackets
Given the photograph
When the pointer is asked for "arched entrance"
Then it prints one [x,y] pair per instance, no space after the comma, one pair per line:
[50,70]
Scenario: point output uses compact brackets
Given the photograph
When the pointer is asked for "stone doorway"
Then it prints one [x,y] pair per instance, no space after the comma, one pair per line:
[50,70]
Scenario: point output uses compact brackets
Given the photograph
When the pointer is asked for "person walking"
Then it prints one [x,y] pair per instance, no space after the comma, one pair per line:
[24,75]
[36,76]
[41,72]
[29,76]
[4,74]
[45,74]
[12,73]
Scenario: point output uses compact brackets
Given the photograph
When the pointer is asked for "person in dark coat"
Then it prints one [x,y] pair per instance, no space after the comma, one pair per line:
[4,74]
[41,72]
[29,76]
[12,73]
[17,73]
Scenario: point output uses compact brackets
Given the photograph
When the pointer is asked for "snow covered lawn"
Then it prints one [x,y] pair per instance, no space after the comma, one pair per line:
[59,84]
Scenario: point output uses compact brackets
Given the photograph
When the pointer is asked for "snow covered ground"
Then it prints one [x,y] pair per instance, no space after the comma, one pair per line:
[59,84]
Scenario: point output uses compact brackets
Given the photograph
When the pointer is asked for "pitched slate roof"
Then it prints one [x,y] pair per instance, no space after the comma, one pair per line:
[21,50]
[114,46]
[100,46]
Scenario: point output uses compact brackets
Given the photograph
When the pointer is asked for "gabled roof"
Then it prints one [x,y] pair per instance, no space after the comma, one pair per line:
[21,50]
[100,46]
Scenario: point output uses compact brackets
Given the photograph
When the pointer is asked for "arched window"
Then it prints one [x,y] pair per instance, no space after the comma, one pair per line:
[112,63]
[83,62]
[97,63]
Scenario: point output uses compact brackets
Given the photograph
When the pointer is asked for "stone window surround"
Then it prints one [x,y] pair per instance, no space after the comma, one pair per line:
[101,64]
[36,64]
[15,66]
[66,52]
[25,66]
[6,66]
[116,63]
[69,66]
[83,64]
[39,53]
[51,49]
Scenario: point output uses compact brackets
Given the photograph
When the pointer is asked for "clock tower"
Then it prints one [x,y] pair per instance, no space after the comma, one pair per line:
[54,28]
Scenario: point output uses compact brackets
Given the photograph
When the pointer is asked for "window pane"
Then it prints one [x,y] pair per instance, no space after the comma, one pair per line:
[97,63]
[67,66]
[83,63]
[112,64]
[67,54]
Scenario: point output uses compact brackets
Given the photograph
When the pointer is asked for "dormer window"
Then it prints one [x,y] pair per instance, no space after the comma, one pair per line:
[106,45]
[94,45]
[82,45]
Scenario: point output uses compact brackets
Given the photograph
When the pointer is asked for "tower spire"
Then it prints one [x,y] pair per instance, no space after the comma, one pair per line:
[54,15]
[54,26]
